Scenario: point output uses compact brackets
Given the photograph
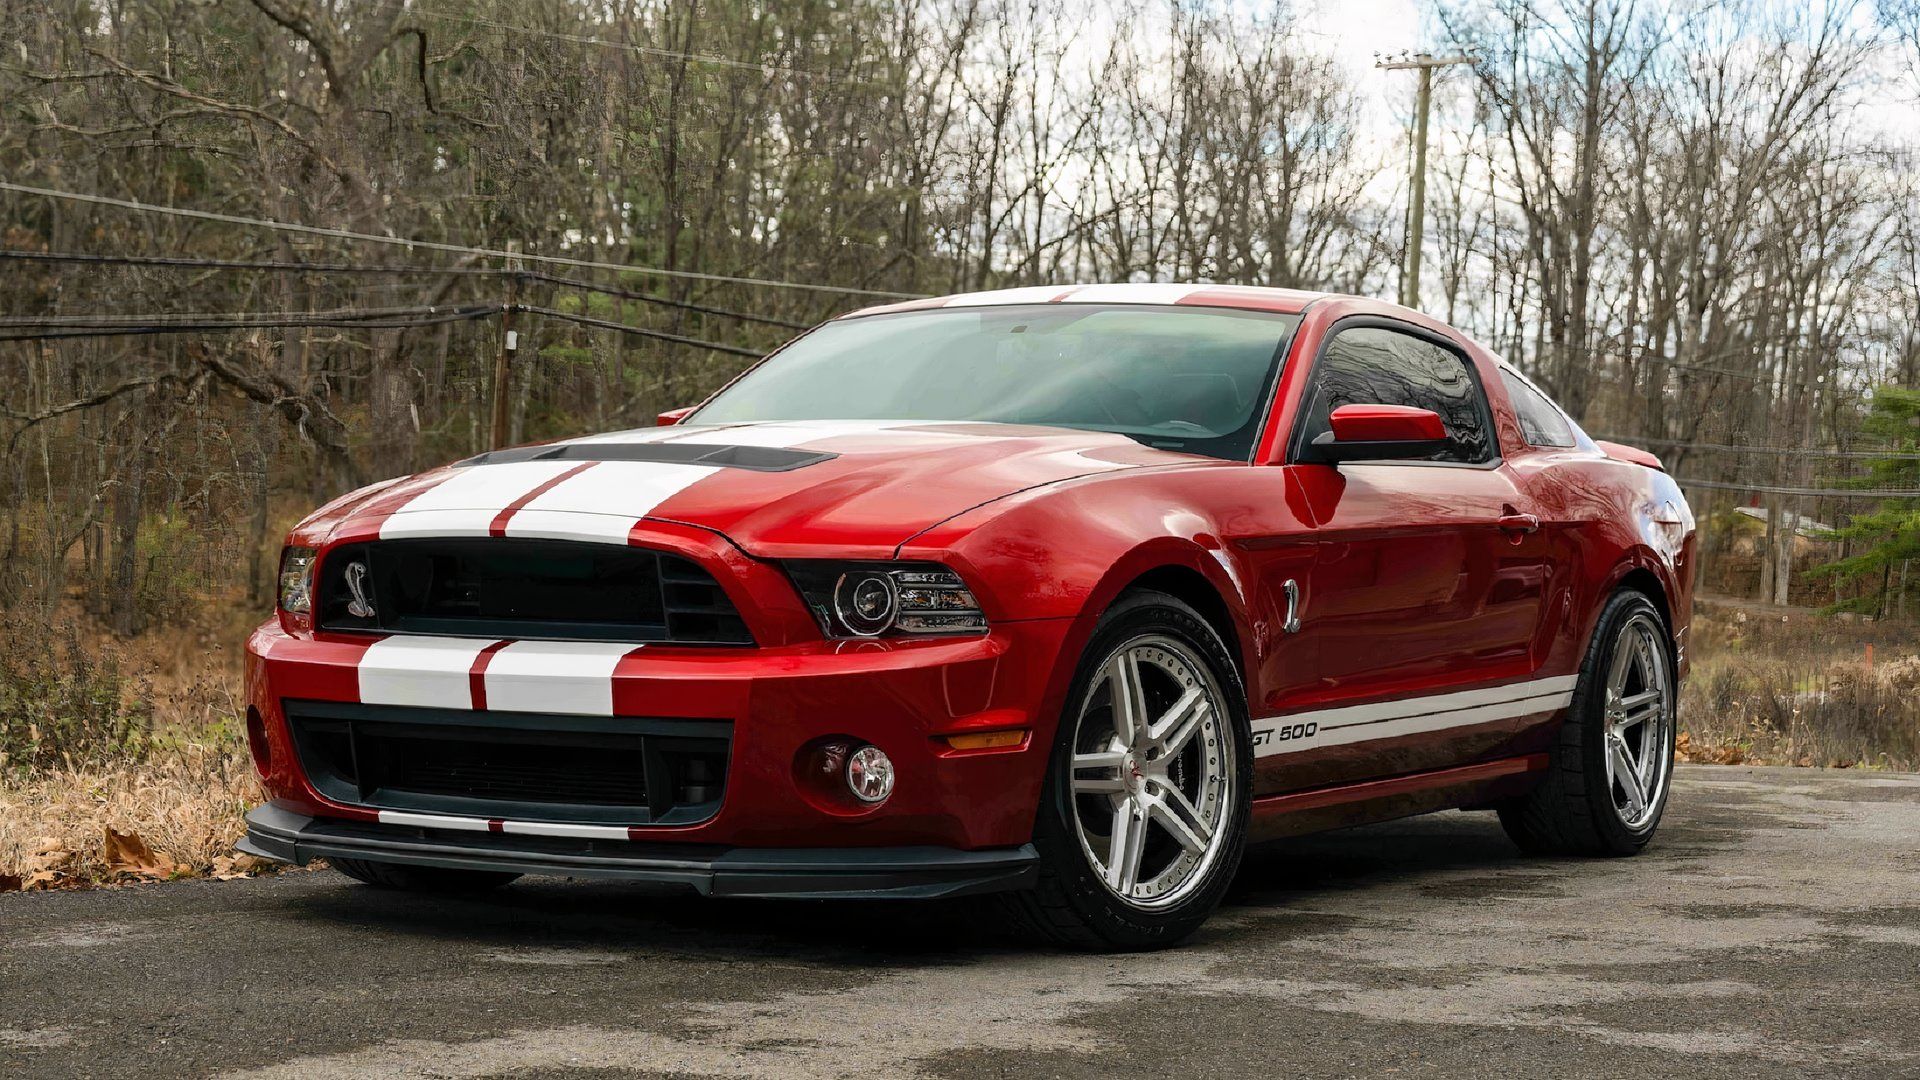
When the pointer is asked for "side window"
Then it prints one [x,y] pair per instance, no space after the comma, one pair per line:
[1540,421]
[1375,366]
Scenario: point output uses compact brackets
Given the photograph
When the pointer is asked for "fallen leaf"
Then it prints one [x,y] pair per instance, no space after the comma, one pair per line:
[10,883]
[126,853]
[39,878]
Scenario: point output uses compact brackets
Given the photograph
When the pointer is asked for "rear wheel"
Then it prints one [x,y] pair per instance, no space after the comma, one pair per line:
[1144,817]
[387,875]
[1613,765]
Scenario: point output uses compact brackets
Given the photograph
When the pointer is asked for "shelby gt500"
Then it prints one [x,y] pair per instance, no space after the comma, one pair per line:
[1063,594]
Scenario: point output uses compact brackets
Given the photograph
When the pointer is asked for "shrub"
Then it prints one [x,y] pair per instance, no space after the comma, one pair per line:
[65,704]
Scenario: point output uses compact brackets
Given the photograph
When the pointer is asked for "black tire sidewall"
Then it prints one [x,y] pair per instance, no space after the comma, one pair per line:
[1119,924]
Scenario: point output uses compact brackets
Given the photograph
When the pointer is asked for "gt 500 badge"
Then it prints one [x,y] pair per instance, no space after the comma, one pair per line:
[1285,733]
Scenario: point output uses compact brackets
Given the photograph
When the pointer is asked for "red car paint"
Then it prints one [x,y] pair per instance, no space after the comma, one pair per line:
[1413,582]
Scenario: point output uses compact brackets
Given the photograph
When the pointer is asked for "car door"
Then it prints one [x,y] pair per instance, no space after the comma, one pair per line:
[1428,578]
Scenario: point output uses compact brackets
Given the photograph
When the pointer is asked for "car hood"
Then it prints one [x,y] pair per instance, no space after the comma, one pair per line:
[862,487]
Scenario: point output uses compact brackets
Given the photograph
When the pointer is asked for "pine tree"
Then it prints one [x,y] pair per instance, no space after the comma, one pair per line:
[1890,535]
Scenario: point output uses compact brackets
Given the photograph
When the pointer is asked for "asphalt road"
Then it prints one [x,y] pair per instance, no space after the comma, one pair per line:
[1773,929]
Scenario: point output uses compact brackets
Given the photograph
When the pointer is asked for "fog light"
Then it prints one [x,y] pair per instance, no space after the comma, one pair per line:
[870,774]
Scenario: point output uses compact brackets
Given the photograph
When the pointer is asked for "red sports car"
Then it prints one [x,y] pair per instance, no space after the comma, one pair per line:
[1065,594]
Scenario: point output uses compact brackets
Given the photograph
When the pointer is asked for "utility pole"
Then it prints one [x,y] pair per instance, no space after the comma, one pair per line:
[503,367]
[1417,214]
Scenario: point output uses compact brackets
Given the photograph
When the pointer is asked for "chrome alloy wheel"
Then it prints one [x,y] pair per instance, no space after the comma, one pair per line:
[1152,771]
[1639,721]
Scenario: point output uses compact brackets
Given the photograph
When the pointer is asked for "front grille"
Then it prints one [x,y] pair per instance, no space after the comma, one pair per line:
[506,587]
[518,766]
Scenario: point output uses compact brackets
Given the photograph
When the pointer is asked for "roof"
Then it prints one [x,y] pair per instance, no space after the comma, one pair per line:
[1245,297]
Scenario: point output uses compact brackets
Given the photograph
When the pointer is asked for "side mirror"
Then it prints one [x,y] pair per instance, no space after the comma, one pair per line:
[673,416]
[1379,433]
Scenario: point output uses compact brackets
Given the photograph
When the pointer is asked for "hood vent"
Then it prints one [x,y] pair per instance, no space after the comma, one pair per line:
[752,458]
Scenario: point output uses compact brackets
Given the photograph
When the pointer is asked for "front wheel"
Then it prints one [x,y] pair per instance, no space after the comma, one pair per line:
[1144,815]
[1607,785]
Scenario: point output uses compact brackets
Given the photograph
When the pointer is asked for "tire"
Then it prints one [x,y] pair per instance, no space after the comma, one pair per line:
[1580,807]
[1205,758]
[432,879]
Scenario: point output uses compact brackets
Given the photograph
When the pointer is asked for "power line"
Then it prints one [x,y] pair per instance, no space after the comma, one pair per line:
[686,305]
[1775,489]
[58,327]
[1776,451]
[660,335]
[170,317]
[58,333]
[190,262]
[434,245]
[248,264]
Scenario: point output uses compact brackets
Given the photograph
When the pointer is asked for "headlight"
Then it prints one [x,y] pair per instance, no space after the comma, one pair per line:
[296,580]
[868,599]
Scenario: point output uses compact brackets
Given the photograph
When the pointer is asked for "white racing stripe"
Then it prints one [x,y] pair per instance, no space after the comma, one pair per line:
[1409,716]
[555,676]
[1144,293]
[1031,294]
[429,671]
[561,828]
[605,502]
[792,434]
[466,503]
[632,435]
[522,828]
[433,821]
[600,504]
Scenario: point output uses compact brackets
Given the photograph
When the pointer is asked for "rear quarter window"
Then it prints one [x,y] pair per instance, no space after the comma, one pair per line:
[1541,422]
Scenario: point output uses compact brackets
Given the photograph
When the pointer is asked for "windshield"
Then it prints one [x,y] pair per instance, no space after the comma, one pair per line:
[1193,380]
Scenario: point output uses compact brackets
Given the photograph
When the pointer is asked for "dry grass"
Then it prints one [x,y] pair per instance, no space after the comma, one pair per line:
[168,804]
[177,814]
[1800,688]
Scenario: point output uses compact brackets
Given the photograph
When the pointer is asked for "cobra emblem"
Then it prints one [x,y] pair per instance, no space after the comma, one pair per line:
[361,606]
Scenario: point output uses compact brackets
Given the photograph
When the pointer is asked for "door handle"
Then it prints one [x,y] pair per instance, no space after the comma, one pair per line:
[1518,525]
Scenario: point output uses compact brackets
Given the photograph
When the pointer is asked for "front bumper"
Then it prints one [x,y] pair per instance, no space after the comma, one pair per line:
[816,873]
[777,702]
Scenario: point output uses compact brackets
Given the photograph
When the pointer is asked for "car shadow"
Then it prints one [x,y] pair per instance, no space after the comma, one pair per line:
[612,916]
[1412,851]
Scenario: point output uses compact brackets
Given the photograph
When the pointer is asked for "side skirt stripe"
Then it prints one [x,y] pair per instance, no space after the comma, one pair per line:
[1409,716]
[1432,703]
[1414,725]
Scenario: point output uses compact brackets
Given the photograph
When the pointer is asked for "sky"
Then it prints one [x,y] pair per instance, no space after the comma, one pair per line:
[1355,32]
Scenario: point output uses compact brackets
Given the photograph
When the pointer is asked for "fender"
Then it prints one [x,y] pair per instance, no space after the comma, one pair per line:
[1205,559]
